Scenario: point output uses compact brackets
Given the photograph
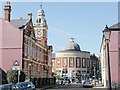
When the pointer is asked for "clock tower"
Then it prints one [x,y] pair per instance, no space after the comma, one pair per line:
[40,27]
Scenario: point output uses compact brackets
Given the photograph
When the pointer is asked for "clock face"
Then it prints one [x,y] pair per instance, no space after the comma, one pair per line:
[39,33]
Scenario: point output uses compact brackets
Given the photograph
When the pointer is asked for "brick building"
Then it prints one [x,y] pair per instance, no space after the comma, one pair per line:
[27,43]
[95,67]
[72,63]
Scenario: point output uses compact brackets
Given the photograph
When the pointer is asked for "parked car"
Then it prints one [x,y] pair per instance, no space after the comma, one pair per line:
[26,86]
[9,87]
[87,84]
[65,81]
[83,81]
[59,81]
[62,81]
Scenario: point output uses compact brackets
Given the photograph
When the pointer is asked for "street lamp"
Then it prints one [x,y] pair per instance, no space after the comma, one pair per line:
[94,74]
[106,34]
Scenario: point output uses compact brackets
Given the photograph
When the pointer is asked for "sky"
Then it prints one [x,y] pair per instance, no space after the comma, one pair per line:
[83,21]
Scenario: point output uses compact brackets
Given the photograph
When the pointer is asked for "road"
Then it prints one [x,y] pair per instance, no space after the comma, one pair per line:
[73,86]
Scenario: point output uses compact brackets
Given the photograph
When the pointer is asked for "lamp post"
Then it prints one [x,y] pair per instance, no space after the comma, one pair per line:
[94,75]
[106,34]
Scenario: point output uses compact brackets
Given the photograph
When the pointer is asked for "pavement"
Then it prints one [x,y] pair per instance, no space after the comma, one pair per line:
[99,85]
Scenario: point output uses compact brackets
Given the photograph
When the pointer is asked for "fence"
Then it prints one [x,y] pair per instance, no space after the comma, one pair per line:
[40,82]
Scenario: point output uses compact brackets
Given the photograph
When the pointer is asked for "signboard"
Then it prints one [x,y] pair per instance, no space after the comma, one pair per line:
[16,65]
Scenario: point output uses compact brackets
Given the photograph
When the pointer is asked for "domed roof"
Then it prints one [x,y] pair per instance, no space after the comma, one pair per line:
[72,46]
[41,12]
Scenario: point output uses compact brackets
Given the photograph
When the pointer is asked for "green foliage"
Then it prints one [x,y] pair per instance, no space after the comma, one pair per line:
[12,76]
[54,75]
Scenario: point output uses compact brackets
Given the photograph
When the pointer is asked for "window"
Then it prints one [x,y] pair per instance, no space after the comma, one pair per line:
[34,51]
[39,20]
[83,62]
[39,71]
[71,62]
[26,49]
[78,62]
[88,62]
[64,62]
[26,46]
[38,54]
[58,63]
[29,48]
[41,55]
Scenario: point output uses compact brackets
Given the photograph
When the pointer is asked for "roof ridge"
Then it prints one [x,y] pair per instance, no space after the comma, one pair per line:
[18,19]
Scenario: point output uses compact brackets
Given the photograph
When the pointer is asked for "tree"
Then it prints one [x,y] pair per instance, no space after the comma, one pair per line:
[12,76]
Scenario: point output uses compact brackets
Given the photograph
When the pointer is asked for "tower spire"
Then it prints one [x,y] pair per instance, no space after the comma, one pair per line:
[72,39]
[41,5]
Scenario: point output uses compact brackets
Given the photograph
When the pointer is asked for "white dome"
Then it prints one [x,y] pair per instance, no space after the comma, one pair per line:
[41,12]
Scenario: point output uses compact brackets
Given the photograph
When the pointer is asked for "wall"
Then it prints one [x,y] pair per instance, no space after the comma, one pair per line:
[11,47]
[114,56]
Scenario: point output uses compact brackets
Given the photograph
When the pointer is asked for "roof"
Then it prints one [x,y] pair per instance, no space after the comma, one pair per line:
[72,46]
[18,22]
[73,51]
[115,26]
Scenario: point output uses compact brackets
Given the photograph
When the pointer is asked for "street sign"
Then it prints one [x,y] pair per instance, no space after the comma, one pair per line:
[16,65]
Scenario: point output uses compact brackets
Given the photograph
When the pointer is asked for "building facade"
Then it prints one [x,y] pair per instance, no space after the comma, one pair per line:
[27,43]
[95,67]
[114,53]
[72,63]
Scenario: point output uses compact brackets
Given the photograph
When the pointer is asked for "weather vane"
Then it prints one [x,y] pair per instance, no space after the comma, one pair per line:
[41,5]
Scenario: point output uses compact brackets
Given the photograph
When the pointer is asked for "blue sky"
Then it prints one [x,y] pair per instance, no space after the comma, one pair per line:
[83,21]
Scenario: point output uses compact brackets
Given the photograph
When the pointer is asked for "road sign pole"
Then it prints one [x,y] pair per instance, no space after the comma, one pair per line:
[16,66]
[18,75]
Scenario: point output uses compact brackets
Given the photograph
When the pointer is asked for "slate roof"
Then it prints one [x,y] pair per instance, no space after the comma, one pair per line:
[18,22]
[72,46]
[115,26]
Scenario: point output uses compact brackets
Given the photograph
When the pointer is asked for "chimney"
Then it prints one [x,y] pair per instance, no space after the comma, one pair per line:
[7,11]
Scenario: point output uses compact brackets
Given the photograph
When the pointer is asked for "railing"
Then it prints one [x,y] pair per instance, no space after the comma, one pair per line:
[40,82]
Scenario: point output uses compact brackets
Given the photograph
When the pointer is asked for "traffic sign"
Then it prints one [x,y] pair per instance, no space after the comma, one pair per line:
[16,65]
